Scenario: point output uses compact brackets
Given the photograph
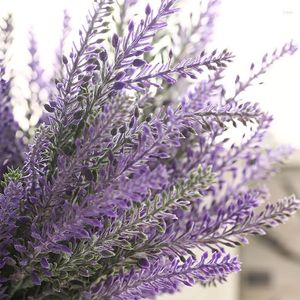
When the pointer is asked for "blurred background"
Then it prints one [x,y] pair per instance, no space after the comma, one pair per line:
[249,28]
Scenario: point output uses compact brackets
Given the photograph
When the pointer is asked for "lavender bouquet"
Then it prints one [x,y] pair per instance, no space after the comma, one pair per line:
[126,175]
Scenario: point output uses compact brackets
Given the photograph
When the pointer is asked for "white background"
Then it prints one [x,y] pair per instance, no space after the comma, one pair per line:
[247,27]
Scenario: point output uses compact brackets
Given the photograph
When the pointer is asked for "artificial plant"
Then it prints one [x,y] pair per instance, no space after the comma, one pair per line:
[126,175]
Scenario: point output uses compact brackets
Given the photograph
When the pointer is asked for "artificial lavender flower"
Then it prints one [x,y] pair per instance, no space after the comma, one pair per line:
[122,181]
[166,278]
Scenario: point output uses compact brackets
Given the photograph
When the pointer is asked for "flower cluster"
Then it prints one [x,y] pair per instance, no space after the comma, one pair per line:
[122,180]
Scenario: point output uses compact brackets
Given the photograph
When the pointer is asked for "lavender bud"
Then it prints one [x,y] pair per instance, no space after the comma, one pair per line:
[129,71]
[115,41]
[148,10]
[114,131]
[49,108]
[136,112]
[53,103]
[120,75]
[139,52]
[131,26]
[182,258]
[90,68]
[103,56]
[20,248]
[148,48]
[86,78]
[223,92]
[265,57]
[143,263]
[45,263]
[59,85]
[138,62]
[65,60]
[148,118]
[119,85]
